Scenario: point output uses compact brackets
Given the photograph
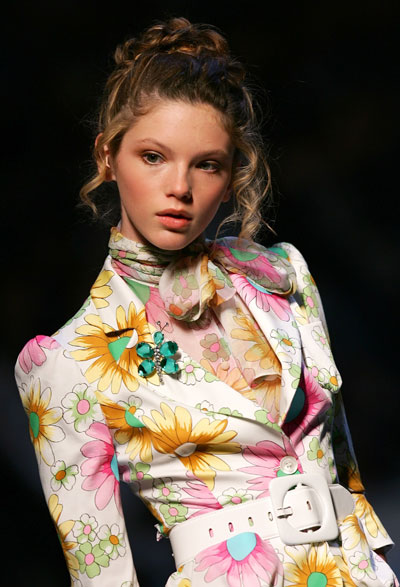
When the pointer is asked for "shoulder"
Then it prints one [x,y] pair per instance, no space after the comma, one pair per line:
[297,261]
[46,375]
[246,251]
[47,357]
[294,273]
[294,257]
[243,250]
[283,256]
[307,294]
[44,358]
[242,246]
[35,351]
[266,267]
[47,369]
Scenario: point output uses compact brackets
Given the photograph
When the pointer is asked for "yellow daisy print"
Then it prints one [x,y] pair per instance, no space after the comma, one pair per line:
[313,566]
[42,420]
[115,234]
[100,290]
[261,351]
[114,350]
[123,417]
[173,433]
[232,377]
[352,533]
[371,520]
[344,571]
[301,314]
[210,283]
[63,530]
[354,479]
[347,467]
[266,392]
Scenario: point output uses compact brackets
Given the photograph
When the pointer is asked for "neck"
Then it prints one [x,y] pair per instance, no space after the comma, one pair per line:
[145,262]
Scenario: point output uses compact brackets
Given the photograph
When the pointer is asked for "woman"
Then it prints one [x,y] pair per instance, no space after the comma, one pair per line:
[198,372]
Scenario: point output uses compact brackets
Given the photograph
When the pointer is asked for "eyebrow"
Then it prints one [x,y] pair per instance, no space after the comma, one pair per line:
[202,154]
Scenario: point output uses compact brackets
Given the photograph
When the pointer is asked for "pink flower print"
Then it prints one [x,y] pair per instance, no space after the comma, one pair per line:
[250,261]
[122,269]
[266,457]
[33,352]
[184,284]
[361,566]
[309,403]
[243,559]
[150,297]
[249,290]
[215,348]
[155,311]
[201,498]
[101,467]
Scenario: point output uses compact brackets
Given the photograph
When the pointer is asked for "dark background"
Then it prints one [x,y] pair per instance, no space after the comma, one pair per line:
[330,75]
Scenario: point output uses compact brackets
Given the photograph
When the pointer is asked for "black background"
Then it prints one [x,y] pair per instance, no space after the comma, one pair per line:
[330,74]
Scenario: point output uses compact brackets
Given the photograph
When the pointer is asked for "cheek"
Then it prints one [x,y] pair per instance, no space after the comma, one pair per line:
[219,195]
[132,186]
[209,207]
[213,190]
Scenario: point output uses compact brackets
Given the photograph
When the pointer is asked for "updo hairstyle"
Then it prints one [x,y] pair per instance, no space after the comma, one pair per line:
[177,60]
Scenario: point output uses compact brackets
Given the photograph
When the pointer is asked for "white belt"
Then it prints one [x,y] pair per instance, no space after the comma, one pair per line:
[301,509]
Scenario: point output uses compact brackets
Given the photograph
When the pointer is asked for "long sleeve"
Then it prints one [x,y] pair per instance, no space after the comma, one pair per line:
[349,476]
[77,464]
[310,309]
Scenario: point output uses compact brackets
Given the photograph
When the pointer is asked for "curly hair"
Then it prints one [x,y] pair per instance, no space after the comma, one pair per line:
[178,60]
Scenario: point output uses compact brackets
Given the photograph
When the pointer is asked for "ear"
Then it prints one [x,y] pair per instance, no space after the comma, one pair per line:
[109,171]
[228,194]
[229,190]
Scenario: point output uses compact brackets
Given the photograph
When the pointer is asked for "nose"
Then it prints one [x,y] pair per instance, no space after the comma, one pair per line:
[179,184]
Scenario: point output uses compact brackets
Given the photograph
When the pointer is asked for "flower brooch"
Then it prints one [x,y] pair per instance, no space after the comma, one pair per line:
[157,358]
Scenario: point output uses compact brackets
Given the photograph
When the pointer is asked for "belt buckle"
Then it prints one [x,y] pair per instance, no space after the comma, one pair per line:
[308,494]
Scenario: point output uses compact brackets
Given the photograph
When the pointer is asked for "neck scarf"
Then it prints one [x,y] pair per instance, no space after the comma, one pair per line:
[197,277]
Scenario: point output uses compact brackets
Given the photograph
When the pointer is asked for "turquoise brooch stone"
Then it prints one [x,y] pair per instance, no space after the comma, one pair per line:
[157,357]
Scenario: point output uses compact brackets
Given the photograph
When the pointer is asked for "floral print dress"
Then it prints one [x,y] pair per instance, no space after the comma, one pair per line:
[253,381]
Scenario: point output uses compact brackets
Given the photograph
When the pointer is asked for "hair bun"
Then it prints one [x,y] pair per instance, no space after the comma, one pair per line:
[177,35]
[126,53]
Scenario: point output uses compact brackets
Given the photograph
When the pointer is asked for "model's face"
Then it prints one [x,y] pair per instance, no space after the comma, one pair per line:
[173,170]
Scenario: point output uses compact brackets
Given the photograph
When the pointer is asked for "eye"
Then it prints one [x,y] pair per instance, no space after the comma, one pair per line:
[152,158]
[211,166]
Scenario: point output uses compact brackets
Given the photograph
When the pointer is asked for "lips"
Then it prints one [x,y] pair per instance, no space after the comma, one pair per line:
[174,219]
[173,213]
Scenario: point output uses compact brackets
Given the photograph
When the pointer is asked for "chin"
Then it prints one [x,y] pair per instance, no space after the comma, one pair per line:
[176,245]
[173,241]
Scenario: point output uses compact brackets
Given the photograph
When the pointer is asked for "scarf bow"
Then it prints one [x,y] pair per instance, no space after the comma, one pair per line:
[196,278]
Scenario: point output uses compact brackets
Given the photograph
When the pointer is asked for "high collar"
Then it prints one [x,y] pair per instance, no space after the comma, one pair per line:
[146,262]
[197,277]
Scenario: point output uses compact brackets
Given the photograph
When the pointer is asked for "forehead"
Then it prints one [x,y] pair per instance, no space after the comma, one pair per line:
[181,124]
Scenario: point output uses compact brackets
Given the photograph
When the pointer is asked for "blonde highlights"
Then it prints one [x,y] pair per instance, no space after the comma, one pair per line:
[177,60]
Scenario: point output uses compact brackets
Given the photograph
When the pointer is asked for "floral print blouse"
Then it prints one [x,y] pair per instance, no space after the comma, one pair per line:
[253,381]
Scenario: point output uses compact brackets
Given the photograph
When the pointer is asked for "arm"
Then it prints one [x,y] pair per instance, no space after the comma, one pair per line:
[349,476]
[77,465]
[310,309]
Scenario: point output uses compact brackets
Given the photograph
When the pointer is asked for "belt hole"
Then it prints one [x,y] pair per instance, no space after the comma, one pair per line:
[251,522]
[270,516]
[230,525]
[211,532]
[308,505]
